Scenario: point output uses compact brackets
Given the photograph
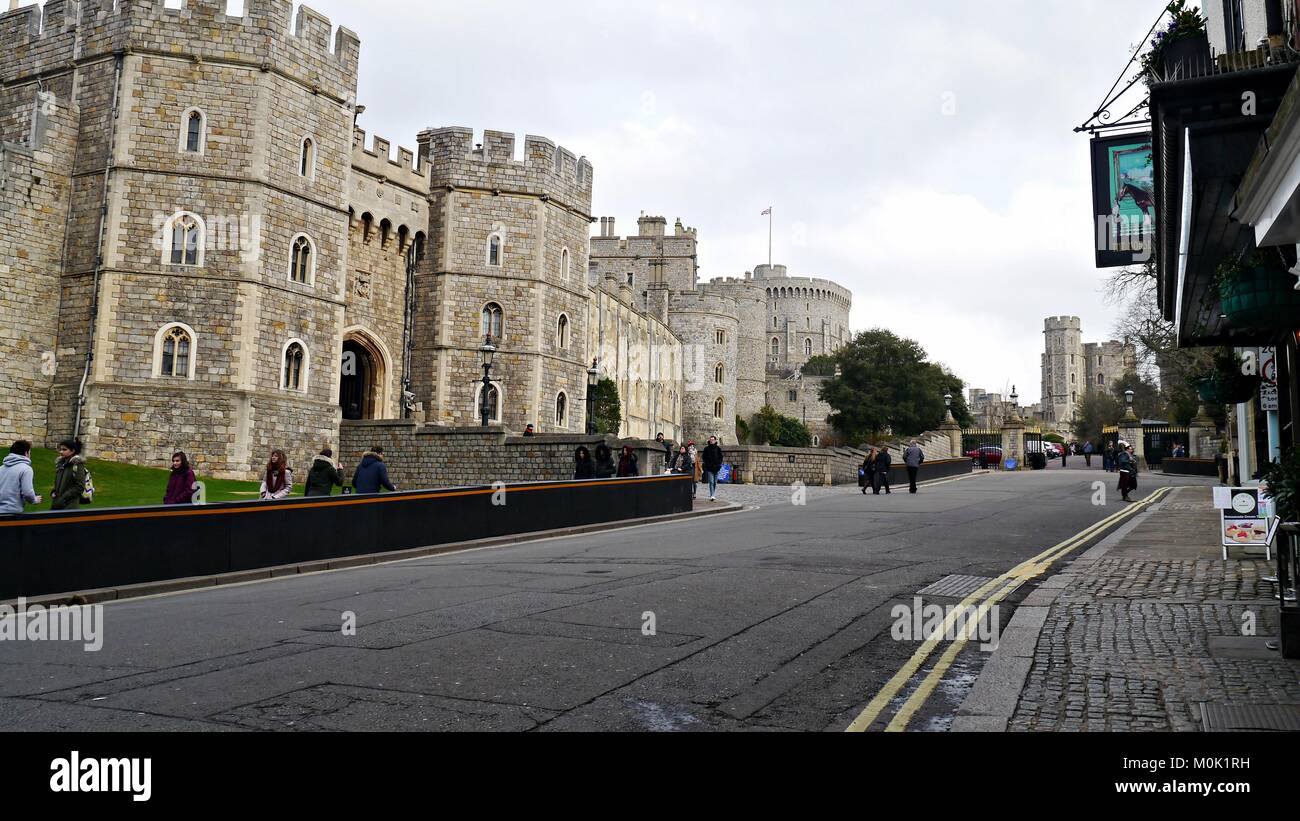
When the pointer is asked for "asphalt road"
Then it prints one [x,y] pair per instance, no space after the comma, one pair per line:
[776,618]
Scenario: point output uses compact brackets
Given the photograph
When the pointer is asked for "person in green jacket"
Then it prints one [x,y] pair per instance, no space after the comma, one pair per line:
[69,477]
[324,475]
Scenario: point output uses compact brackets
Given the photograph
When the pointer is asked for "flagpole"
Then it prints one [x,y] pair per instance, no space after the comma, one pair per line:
[770,217]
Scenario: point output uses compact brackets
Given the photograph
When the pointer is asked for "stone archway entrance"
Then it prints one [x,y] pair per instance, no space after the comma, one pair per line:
[361,389]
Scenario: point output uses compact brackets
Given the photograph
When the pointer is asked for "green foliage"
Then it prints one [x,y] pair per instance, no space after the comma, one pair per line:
[887,386]
[122,485]
[608,410]
[1186,22]
[771,428]
[1283,480]
[742,431]
[1095,411]
[820,365]
[1054,437]
[1148,402]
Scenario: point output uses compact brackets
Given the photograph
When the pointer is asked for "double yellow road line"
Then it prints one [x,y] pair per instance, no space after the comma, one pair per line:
[985,598]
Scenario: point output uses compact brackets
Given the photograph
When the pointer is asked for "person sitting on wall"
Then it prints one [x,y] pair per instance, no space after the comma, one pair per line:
[627,463]
[583,466]
[372,474]
[528,431]
[604,462]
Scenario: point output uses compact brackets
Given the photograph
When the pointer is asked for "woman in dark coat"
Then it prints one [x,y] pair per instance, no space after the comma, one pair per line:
[682,462]
[324,475]
[1126,461]
[181,485]
[604,462]
[583,466]
[627,463]
[867,473]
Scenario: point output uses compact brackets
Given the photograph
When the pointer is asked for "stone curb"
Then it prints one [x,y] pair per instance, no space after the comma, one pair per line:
[992,702]
[136,591]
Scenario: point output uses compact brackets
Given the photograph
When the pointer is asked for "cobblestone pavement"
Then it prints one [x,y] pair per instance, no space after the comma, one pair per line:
[1158,625]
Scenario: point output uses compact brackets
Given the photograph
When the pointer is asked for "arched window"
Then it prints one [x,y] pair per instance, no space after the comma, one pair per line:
[718,408]
[491,321]
[561,411]
[294,377]
[494,250]
[184,238]
[562,332]
[302,262]
[776,346]
[718,373]
[807,347]
[1101,380]
[419,245]
[564,265]
[307,161]
[494,402]
[174,351]
[721,337]
[194,137]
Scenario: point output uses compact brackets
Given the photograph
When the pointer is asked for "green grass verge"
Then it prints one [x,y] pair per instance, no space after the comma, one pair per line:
[121,485]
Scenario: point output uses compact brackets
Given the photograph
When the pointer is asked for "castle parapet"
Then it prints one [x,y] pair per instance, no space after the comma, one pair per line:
[453,159]
[407,170]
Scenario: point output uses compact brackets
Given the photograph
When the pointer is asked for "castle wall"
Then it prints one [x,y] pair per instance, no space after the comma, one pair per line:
[644,358]
[697,318]
[800,398]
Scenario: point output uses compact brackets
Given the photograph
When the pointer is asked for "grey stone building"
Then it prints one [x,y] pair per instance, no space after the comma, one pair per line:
[1072,369]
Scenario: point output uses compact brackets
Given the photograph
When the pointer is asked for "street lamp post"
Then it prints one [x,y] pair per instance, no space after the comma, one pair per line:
[593,377]
[486,353]
[1128,401]
[947,404]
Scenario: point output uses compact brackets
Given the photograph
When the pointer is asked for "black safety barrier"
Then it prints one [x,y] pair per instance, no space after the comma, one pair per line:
[1189,467]
[89,548]
[938,469]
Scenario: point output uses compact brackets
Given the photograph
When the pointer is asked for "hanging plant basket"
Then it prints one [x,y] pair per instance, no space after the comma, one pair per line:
[1227,389]
[1260,295]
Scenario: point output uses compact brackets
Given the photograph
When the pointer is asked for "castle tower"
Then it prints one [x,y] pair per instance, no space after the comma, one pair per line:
[707,323]
[208,318]
[1064,368]
[508,257]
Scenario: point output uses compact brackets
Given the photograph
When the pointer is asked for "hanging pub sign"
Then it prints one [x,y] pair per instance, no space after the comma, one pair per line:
[1123,200]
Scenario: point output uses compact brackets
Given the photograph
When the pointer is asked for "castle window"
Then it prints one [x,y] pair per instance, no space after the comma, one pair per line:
[385,228]
[794,396]
[562,333]
[564,265]
[807,347]
[174,352]
[491,321]
[184,236]
[631,279]
[776,346]
[1101,380]
[494,403]
[494,250]
[193,131]
[419,245]
[302,264]
[721,337]
[561,410]
[307,162]
[719,407]
[294,377]
[718,373]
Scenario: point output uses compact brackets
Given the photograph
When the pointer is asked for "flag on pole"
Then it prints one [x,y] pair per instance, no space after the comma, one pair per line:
[766,213]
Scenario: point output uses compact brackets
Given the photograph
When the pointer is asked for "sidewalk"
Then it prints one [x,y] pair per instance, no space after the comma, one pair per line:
[1144,632]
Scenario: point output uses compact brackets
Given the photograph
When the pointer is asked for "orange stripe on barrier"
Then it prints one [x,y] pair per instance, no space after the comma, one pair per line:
[202,510]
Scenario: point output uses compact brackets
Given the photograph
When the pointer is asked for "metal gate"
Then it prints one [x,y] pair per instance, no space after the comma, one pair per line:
[1159,442]
[975,442]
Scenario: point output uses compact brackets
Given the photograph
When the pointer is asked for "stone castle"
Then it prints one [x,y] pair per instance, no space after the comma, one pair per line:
[1072,369]
[199,250]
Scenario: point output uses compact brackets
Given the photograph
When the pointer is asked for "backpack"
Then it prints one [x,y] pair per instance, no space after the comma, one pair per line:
[88,489]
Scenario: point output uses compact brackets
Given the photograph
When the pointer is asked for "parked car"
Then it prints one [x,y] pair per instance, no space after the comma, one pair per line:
[992,453]
[1053,450]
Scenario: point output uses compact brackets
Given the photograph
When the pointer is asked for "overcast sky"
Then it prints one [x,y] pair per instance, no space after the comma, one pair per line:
[961,230]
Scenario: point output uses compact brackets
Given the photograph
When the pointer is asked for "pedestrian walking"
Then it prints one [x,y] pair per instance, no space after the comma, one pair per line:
[324,475]
[278,481]
[627,463]
[1087,453]
[1065,453]
[181,484]
[913,458]
[1128,470]
[372,474]
[16,489]
[604,462]
[883,463]
[712,465]
[69,477]
[584,467]
[867,473]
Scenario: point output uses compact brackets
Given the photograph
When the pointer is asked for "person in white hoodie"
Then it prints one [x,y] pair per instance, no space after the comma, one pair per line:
[16,479]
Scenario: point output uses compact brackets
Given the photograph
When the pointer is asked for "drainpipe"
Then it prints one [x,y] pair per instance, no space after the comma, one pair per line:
[118,57]
[408,339]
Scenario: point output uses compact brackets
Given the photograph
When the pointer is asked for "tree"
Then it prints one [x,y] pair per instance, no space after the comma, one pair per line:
[742,431]
[771,428]
[887,386]
[820,365]
[608,411]
[1095,411]
[1148,401]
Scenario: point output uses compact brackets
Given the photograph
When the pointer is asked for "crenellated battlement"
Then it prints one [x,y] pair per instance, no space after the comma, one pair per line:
[44,40]
[546,169]
[804,289]
[407,170]
[1063,323]
[704,300]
